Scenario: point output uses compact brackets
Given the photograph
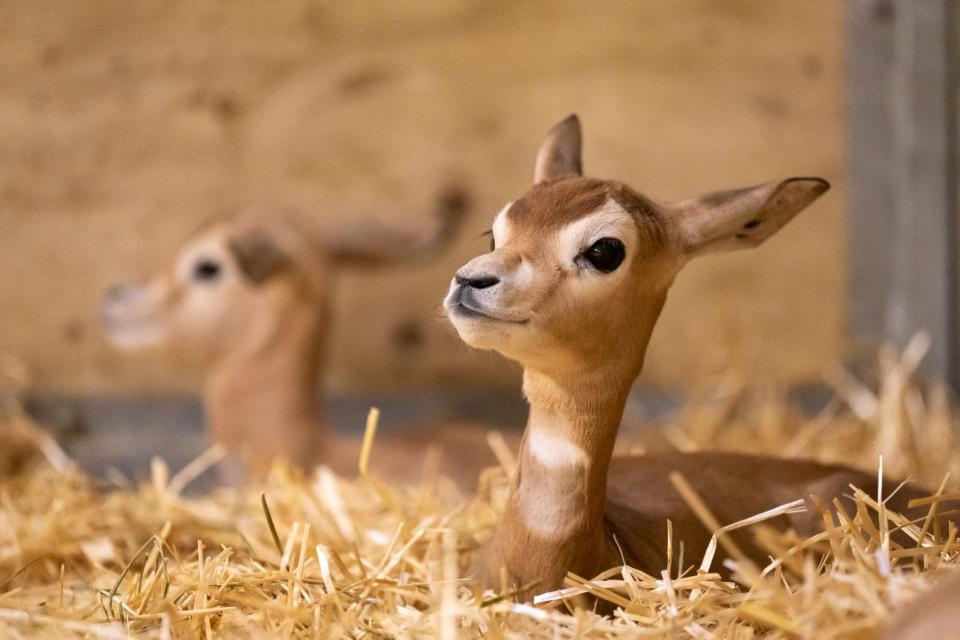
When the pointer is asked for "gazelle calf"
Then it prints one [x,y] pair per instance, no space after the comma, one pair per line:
[576,277]
[247,299]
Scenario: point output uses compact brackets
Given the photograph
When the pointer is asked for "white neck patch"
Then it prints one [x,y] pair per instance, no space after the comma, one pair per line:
[554,451]
[552,503]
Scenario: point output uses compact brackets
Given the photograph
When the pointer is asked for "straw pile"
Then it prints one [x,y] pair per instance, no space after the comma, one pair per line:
[318,556]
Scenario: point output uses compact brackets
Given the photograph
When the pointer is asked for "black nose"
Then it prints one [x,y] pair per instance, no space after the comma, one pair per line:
[477,282]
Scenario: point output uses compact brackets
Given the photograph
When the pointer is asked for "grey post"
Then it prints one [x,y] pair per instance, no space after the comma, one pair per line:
[903,116]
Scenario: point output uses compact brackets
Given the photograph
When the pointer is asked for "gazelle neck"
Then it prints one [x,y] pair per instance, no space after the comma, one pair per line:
[554,518]
[582,410]
[556,506]
[264,396]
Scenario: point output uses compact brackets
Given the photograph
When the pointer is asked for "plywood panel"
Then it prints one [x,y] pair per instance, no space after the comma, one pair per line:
[125,125]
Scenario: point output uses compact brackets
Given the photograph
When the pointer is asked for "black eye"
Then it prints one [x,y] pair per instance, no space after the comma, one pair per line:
[605,254]
[206,270]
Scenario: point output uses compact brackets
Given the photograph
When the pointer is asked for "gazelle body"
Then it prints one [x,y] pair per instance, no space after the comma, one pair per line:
[576,278]
[247,299]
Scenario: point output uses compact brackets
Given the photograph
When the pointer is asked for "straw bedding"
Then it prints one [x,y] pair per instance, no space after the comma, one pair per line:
[318,556]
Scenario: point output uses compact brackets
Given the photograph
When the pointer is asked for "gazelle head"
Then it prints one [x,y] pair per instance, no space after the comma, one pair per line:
[239,277]
[579,268]
[223,283]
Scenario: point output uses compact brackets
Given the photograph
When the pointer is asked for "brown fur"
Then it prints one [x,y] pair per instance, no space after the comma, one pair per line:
[555,204]
[552,205]
[720,198]
[734,487]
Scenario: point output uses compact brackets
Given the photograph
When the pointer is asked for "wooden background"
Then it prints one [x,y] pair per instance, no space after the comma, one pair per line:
[123,125]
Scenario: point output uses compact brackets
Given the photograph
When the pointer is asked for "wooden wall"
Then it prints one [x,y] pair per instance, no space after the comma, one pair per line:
[123,125]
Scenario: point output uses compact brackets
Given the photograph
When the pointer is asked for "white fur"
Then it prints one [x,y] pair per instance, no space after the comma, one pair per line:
[554,507]
[132,336]
[525,276]
[501,228]
[553,451]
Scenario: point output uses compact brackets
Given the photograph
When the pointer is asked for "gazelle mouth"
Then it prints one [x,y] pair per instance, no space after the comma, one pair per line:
[129,328]
[132,336]
[466,311]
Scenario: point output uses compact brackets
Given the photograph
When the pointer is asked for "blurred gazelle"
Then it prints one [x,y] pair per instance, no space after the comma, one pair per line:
[577,274]
[248,300]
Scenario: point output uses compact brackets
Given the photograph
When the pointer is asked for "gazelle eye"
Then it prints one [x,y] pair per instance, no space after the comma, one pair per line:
[606,254]
[206,270]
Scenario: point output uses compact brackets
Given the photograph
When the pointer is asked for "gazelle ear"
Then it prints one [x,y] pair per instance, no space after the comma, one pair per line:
[742,218]
[559,154]
[366,244]
[258,256]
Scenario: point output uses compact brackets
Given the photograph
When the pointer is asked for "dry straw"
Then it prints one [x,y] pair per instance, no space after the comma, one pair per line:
[319,556]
